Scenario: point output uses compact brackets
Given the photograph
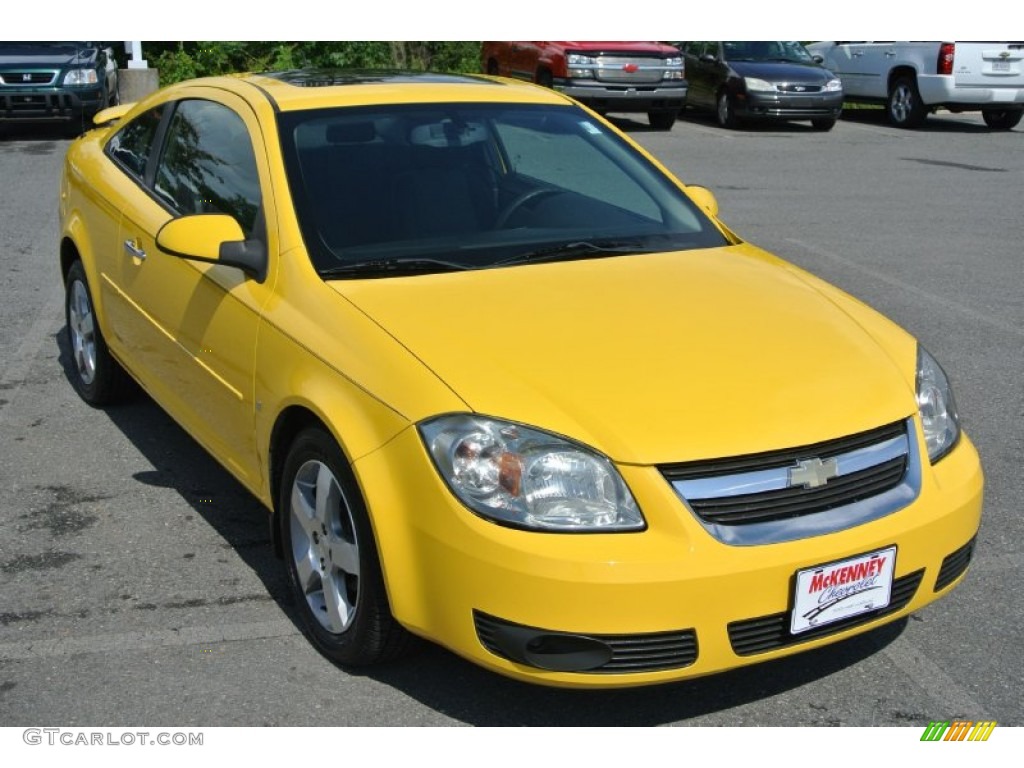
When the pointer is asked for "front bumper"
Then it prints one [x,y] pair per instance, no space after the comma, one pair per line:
[789,106]
[479,589]
[625,98]
[49,104]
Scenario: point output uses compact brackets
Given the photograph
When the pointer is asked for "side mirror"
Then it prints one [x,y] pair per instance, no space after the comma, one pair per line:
[818,58]
[214,238]
[704,198]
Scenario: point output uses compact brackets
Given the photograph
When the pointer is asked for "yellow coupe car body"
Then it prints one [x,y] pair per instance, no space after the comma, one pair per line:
[696,384]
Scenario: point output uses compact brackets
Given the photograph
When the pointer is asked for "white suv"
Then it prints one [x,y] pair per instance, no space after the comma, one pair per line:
[915,78]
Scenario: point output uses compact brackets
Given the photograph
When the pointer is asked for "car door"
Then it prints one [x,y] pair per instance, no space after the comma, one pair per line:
[862,67]
[700,73]
[193,333]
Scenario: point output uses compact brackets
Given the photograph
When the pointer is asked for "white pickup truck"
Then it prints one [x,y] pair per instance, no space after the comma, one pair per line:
[915,78]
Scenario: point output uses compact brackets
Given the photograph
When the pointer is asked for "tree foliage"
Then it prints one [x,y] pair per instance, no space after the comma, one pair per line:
[184,60]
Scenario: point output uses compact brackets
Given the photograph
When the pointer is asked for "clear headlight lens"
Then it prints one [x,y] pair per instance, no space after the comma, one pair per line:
[757,84]
[579,60]
[527,478]
[833,85]
[81,77]
[937,407]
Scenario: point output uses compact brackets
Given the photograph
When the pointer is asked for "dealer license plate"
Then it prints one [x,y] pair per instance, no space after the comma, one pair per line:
[837,591]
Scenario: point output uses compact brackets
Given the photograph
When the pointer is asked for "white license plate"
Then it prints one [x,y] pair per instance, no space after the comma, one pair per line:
[1000,66]
[837,591]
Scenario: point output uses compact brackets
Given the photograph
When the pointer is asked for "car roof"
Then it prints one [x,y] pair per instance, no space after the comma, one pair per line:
[316,88]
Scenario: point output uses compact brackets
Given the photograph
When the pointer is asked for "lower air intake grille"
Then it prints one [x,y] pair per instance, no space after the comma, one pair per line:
[954,565]
[622,653]
[769,633]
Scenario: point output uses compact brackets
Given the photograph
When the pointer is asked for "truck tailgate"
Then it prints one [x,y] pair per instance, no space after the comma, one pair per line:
[989,65]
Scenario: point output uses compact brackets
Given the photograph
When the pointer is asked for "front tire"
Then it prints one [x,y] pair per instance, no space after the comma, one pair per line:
[1002,119]
[331,556]
[662,121]
[823,123]
[95,374]
[725,112]
[904,106]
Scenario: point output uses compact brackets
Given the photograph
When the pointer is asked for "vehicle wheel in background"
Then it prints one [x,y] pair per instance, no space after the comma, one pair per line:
[662,121]
[492,67]
[725,113]
[905,108]
[331,556]
[1001,119]
[823,123]
[544,78]
[97,377]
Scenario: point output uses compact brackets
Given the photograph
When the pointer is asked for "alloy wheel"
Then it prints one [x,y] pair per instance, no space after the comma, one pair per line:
[324,546]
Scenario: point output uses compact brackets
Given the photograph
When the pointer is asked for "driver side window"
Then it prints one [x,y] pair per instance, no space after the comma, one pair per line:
[208,164]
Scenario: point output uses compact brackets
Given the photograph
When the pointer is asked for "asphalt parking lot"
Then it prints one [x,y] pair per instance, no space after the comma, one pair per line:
[137,583]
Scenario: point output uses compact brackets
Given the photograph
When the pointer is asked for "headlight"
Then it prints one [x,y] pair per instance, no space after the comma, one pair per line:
[757,84]
[526,478]
[81,77]
[833,85]
[936,406]
[579,60]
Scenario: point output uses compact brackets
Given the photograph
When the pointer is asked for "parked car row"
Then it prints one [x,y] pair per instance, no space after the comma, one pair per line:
[774,79]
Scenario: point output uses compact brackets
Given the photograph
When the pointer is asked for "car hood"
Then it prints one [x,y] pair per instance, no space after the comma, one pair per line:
[782,71]
[655,358]
[46,55]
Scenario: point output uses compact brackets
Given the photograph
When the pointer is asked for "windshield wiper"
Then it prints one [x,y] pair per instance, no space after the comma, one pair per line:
[580,249]
[392,268]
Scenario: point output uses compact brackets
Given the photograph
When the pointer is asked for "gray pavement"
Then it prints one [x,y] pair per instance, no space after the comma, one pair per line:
[136,581]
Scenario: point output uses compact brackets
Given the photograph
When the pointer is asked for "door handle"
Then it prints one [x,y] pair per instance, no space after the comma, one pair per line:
[134,251]
[857,53]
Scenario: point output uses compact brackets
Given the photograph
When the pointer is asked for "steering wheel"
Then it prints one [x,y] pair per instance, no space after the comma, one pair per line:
[519,202]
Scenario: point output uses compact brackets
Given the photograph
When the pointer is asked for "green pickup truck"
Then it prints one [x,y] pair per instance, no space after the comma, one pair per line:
[66,82]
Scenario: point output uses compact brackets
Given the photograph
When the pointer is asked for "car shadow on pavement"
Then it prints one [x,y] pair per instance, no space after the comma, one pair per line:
[431,675]
[181,464]
[940,122]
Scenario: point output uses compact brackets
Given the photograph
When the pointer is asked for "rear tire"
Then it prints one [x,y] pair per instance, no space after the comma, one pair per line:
[1002,119]
[331,556]
[904,106]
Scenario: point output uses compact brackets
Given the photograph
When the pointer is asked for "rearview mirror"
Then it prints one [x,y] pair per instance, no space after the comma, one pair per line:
[215,238]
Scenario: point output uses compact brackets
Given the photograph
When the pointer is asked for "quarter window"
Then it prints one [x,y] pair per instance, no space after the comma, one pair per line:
[130,146]
[208,165]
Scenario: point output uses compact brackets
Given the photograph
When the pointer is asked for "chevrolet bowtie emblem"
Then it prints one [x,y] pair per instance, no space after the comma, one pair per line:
[813,473]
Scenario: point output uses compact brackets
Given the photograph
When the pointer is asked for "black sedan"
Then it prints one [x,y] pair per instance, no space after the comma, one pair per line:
[771,80]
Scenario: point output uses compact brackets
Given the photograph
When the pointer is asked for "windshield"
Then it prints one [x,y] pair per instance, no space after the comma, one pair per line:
[767,50]
[441,187]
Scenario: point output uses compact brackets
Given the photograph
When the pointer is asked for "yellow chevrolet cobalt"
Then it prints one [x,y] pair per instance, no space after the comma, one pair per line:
[504,383]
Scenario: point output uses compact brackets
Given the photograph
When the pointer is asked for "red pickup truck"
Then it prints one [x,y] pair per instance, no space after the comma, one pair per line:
[606,76]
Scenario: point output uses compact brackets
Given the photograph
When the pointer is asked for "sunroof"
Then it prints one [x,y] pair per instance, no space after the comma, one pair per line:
[319,78]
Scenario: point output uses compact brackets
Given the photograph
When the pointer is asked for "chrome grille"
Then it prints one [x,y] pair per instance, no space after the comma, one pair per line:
[799,492]
[798,88]
[616,69]
[27,78]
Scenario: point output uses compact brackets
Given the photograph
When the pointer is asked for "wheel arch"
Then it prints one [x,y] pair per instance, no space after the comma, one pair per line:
[903,70]
[290,422]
